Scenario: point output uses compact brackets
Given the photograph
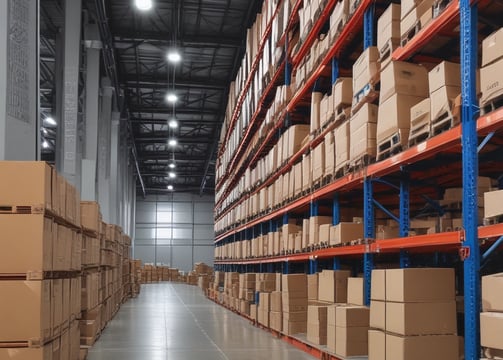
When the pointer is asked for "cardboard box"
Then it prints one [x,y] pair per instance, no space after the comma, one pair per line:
[400,77]
[388,26]
[318,162]
[420,113]
[420,285]
[312,287]
[355,291]
[378,314]
[42,353]
[315,110]
[331,334]
[306,172]
[492,47]
[276,301]
[29,184]
[333,285]
[324,233]
[342,92]
[329,153]
[444,74]
[291,328]
[493,203]
[442,100]
[28,236]
[342,145]
[365,69]
[351,341]
[314,227]
[491,329]
[295,136]
[432,347]
[26,307]
[294,302]
[407,6]
[377,345]
[363,132]
[352,316]
[492,288]
[345,232]
[294,283]
[394,118]
[276,320]
[437,318]
[409,21]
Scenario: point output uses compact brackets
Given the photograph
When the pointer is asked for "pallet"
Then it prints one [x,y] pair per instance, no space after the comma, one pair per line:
[342,170]
[387,50]
[442,123]
[419,134]
[87,342]
[493,220]
[361,162]
[409,34]
[389,147]
[39,275]
[23,209]
[368,94]
[491,105]
[439,6]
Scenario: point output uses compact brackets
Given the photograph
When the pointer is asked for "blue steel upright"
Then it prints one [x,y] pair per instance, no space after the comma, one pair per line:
[368,27]
[336,210]
[369,233]
[335,70]
[404,217]
[469,113]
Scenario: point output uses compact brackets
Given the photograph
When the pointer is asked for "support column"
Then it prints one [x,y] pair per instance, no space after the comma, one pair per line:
[68,153]
[104,129]
[114,168]
[19,63]
[369,233]
[90,149]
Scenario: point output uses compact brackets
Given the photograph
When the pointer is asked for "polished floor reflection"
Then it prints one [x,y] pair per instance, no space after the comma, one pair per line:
[176,322]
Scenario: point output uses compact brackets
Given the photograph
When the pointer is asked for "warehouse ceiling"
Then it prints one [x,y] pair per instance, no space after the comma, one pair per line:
[209,35]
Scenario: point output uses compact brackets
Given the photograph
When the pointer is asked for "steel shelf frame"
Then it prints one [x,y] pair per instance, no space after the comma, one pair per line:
[462,138]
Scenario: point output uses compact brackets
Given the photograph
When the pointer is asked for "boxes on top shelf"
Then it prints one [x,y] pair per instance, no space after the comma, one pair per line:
[403,78]
[366,69]
[388,28]
[491,79]
[362,129]
[444,74]
[492,47]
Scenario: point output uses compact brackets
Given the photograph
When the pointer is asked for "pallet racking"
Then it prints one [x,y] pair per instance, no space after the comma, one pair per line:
[398,172]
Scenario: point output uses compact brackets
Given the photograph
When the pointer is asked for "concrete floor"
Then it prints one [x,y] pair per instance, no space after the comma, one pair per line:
[175,321]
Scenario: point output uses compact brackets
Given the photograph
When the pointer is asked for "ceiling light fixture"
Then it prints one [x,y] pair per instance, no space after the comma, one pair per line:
[173,123]
[172,165]
[171,98]
[174,57]
[50,121]
[170,187]
[45,144]
[172,142]
[44,130]
[143,5]
[172,175]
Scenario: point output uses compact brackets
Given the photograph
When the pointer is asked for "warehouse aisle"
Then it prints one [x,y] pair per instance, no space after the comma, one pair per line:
[175,321]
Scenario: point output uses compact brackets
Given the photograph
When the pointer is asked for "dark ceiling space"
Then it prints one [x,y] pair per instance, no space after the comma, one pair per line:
[210,36]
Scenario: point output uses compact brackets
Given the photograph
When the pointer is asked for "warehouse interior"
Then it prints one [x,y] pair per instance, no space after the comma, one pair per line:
[224,179]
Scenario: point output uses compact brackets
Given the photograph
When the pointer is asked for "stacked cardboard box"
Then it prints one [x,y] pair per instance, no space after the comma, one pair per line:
[491,319]
[294,303]
[351,330]
[388,32]
[445,86]
[490,73]
[363,133]
[414,15]
[403,85]
[263,308]
[317,323]
[276,314]
[413,311]
[333,286]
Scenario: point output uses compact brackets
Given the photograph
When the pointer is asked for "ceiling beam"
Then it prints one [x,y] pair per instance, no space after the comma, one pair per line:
[157,82]
[168,111]
[153,37]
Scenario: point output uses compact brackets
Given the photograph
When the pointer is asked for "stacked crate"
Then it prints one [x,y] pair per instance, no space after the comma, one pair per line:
[39,263]
[491,319]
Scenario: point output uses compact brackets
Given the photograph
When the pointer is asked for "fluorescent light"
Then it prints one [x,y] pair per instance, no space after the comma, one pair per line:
[172,142]
[171,98]
[45,144]
[170,187]
[50,121]
[173,123]
[44,130]
[172,165]
[172,175]
[143,5]
[174,57]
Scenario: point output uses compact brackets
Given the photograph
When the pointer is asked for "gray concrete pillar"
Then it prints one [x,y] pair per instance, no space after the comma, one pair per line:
[19,126]
[68,154]
[114,167]
[104,128]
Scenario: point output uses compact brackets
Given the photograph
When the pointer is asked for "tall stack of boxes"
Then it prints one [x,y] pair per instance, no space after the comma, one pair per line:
[445,86]
[413,311]
[351,330]
[40,299]
[490,73]
[491,319]
[388,32]
[294,303]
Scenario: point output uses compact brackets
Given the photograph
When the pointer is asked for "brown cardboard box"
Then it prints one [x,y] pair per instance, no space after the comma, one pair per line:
[351,341]
[365,69]
[355,291]
[276,301]
[491,329]
[442,100]
[26,307]
[31,237]
[345,232]
[420,285]
[90,216]
[29,184]
[414,15]
[386,232]
[352,316]
[342,145]
[388,26]
[492,47]
[314,227]
[317,324]
[324,233]
[276,320]
[306,172]
[363,128]
[493,203]
[444,74]
[331,334]
[315,110]
[421,318]
[400,77]
[407,6]
[42,353]
[295,316]
[253,311]
[294,302]
[329,153]
[332,314]
[312,287]
[394,117]
[265,301]
[432,347]
[420,113]
[294,283]
[378,314]
[377,345]
[342,92]
[333,286]
[318,162]
[492,288]
[291,328]
[378,285]
[295,135]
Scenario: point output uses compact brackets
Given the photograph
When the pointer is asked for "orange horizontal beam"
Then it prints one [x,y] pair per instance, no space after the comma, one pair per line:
[491,231]
[419,241]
